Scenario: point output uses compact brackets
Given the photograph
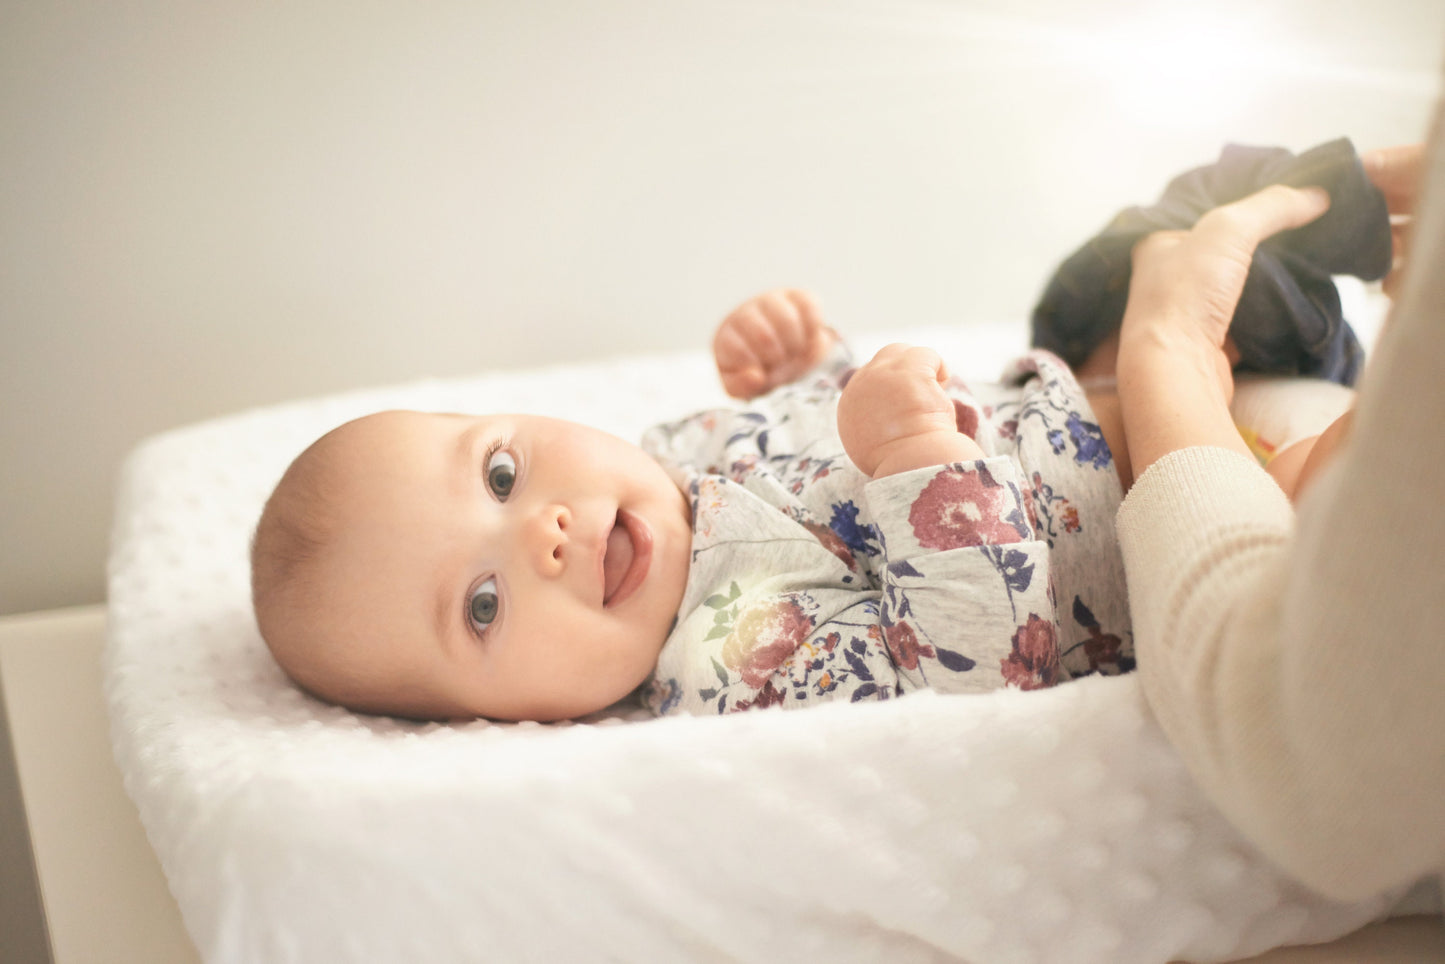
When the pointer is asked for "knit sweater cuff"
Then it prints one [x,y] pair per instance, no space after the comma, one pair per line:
[1187,493]
[1188,513]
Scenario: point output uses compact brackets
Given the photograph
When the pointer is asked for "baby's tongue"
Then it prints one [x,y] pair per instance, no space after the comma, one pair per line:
[617,561]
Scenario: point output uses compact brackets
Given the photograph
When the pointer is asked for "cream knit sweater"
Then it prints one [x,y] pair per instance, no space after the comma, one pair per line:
[1297,661]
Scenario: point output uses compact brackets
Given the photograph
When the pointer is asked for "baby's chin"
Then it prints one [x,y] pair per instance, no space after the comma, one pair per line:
[622,696]
[549,708]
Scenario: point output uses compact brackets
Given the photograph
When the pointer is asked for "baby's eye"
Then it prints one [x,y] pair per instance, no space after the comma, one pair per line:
[501,471]
[484,604]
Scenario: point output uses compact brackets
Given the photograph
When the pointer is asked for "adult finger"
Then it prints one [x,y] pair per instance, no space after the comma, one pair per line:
[1246,222]
[1401,231]
[1396,171]
[1399,238]
[1157,245]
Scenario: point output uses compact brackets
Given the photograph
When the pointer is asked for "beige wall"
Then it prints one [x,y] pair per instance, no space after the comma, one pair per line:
[210,206]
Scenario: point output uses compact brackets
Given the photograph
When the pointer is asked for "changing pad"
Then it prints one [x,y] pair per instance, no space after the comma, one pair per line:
[1053,826]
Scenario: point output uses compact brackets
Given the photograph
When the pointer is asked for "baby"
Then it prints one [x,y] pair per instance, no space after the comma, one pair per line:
[854,534]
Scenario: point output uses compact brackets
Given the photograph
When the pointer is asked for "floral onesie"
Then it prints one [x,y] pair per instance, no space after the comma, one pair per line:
[810,582]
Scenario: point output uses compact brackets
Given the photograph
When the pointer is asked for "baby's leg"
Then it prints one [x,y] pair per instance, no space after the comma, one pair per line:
[1101,361]
[1293,468]
[1096,378]
[1104,359]
[1104,400]
[1285,418]
[1273,409]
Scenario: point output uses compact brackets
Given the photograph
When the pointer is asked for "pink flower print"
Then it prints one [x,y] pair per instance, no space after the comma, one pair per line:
[768,696]
[1102,649]
[1029,508]
[1034,662]
[707,506]
[833,543]
[903,645]
[743,467]
[959,509]
[966,418]
[1070,517]
[764,638]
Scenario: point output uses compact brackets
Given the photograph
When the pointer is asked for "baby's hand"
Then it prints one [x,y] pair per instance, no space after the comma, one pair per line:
[894,415]
[769,341]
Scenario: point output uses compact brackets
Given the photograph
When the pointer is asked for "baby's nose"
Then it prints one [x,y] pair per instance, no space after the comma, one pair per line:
[549,535]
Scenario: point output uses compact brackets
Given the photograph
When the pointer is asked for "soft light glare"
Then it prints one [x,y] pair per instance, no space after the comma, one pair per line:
[1185,69]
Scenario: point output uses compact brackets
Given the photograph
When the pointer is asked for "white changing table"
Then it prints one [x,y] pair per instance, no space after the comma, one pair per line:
[103,895]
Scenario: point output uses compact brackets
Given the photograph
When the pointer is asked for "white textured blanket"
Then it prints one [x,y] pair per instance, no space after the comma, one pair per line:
[1053,826]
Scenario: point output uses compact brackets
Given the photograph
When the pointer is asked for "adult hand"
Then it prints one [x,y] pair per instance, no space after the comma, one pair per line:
[769,340]
[894,415]
[1175,380]
[1396,171]
[1186,284]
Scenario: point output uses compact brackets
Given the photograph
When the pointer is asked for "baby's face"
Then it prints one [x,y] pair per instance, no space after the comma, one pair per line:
[510,566]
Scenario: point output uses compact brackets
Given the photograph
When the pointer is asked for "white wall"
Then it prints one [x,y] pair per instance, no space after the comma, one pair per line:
[207,206]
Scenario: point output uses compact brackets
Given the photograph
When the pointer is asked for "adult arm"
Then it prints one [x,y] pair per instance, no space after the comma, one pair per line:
[1297,662]
[1174,377]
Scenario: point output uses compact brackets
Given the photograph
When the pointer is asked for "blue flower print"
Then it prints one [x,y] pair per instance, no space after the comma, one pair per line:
[664,695]
[1015,568]
[1012,564]
[753,421]
[859,538]
[1089,444]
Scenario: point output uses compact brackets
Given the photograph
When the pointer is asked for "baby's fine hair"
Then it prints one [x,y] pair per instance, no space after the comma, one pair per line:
[296,526]
[295,544]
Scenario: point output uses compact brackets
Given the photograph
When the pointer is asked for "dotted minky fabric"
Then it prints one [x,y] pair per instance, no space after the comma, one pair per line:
[1047,827]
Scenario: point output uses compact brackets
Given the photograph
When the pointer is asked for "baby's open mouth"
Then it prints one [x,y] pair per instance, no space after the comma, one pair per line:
[629,550]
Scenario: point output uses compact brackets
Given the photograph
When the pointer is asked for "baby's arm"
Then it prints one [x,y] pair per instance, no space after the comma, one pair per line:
[894,415]
[770,340]
[965,576]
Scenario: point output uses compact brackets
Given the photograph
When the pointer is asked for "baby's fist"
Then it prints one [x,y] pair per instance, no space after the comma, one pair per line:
[769,341]
[894,415]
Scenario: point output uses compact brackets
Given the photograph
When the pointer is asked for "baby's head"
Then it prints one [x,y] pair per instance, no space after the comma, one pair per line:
[454,566]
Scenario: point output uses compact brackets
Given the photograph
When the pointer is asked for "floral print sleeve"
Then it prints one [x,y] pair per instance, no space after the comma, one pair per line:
[948,591]
[965,580]
[778,610]
[808,581]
